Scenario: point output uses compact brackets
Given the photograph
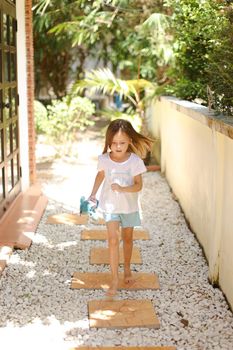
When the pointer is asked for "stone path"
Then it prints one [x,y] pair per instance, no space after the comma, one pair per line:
[116,314]
[101,280]
[126,348]
[40,310]
[102,234]
[113,314]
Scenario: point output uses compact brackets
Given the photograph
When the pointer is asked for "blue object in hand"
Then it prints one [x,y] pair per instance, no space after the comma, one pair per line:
[88,207]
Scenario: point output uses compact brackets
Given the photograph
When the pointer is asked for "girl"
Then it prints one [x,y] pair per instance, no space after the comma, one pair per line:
[120,167]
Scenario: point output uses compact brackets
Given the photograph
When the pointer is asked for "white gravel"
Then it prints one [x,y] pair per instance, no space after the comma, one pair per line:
[38,310]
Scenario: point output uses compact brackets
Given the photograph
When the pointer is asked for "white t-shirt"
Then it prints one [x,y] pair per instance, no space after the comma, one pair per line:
[123,174]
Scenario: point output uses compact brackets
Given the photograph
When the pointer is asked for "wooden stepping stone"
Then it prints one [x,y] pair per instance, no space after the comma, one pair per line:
[102,235]
[122,314]
[102,280]
[99,222]
[125,348]
[69,219]
[101,256]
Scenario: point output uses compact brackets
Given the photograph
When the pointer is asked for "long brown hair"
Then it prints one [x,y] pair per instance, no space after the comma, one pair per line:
[140,144]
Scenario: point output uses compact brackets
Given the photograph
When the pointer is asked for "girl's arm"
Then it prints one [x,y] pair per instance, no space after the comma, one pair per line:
[98,181]
[136,187]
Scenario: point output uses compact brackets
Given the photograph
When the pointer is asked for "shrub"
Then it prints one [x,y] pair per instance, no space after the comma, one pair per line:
[220,69]
[198,38]
[65,117]
[41,117]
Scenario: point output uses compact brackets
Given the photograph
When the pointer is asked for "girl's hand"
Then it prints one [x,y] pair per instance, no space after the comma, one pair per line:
[116,187]
[92,199]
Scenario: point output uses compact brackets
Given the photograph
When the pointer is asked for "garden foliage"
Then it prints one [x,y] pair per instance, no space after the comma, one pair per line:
[203,53]
[64,118]
[184,47]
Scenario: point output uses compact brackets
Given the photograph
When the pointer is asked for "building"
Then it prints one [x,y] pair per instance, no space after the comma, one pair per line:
[21,200]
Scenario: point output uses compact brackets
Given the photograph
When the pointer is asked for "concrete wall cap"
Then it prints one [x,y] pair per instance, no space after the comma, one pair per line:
[217,122]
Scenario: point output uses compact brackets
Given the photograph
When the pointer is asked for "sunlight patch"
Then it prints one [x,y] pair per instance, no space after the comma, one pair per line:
[66,244]
[31,274]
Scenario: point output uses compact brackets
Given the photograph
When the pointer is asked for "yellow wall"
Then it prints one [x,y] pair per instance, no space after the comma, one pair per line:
[197,159]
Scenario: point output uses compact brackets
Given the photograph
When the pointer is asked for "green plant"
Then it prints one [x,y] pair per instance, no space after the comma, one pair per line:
[41,117]
[196,27]
[53,55]
[129,35]
[186,89]
[185,46]
[104,81]
[220,69]
[65,117]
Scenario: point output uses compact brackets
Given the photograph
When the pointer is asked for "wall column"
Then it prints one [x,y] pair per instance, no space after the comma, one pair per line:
[30,90]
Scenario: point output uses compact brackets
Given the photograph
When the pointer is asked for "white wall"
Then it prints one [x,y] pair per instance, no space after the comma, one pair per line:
[22,90]
[197,159]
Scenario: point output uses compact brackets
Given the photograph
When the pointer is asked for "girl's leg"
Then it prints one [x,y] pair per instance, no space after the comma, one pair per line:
[127,236]
[113,244]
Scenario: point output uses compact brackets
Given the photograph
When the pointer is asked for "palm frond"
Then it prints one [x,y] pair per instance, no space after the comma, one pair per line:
[157,28]
[41,6]
[103,80]
[157,23]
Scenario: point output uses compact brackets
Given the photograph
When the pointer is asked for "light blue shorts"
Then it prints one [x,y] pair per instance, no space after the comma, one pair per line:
[126,220]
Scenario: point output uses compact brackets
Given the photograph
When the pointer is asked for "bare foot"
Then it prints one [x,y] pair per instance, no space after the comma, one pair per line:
[112,291]
[128,278]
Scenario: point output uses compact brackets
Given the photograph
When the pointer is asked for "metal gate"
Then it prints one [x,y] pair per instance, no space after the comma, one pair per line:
[10,184]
